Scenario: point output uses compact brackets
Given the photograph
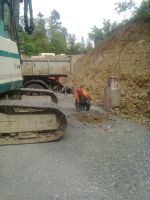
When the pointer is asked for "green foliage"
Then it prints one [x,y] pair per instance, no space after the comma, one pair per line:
[54,21]
[99,34]
[96,35]
[143,11]
[39,37]
[89,46]
[51,36]
[57,34]
[26,44]
[58,44]
[72,43]
[40,23]
[124,6]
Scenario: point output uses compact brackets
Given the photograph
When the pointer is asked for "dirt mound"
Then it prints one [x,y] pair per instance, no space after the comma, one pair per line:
[125,54]
[92,118]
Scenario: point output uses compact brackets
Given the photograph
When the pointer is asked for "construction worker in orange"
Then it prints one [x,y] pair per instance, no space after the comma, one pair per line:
[88,98]
[82,99]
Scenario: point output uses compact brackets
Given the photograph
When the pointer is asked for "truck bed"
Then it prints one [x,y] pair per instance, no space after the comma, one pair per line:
[46,67]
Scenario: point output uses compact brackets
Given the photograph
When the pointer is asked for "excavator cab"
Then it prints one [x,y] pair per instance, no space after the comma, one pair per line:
[10,68]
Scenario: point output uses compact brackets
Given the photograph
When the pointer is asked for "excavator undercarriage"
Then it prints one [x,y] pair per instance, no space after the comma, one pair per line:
[20,93]
[21,122]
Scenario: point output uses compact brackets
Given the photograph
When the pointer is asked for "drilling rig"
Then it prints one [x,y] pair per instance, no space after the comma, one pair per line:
[22,121]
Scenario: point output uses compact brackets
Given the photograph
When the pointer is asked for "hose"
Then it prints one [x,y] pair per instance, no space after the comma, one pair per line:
[29,27]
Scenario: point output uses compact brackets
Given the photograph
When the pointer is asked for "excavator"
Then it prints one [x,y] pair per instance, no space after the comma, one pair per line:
[22,121]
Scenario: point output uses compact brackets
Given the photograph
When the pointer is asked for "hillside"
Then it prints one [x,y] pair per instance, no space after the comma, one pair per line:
[126,54]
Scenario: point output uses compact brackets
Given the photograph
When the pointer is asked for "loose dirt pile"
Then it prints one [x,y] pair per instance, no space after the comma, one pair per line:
[125,54]
[88,117]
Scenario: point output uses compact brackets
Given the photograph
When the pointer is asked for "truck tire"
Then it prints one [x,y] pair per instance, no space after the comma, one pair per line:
[35,85]
[38,84]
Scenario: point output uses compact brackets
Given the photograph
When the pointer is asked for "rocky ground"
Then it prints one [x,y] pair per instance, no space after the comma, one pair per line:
[126,55]
[100,157]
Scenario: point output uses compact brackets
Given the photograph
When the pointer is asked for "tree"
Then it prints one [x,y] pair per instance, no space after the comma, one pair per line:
[99,34]
[40,23]
[57,34]
[54,20]
[72,44]
[27,46]
[143,11]
[58,44]
[39,36]
[50,36]
[96,35]
[124,6]
[89,46]
[54,24]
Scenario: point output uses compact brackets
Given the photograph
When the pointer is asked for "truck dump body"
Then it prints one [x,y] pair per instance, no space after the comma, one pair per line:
[43,67]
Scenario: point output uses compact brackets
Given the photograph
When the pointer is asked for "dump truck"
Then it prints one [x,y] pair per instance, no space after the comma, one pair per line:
[45,71]
[22,121]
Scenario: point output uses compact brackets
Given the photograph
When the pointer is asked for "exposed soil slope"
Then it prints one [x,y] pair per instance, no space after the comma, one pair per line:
[126,54]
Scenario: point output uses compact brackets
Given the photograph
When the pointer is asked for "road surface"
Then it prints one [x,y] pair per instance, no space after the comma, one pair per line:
[109,161]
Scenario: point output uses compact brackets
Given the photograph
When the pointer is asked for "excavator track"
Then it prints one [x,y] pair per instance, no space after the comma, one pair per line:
[22,123]
[38,92]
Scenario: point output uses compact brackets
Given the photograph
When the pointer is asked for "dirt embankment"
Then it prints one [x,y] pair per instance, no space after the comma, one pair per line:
[125,54]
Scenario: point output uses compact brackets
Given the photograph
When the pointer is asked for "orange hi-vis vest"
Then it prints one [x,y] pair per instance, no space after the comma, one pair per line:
[86,94]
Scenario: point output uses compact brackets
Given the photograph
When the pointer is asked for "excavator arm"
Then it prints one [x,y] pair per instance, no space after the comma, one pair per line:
[28,15]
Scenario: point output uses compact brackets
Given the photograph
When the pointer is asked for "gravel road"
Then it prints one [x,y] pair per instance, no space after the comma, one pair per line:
[109,161]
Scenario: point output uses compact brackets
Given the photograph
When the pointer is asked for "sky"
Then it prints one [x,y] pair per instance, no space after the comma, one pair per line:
[79,16]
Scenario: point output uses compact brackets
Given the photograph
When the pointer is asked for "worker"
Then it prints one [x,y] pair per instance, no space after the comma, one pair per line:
[82,99]
[88,98]
[77,94]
